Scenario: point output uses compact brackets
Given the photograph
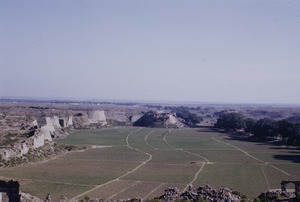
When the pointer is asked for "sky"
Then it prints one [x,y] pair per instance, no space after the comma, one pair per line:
[233,51]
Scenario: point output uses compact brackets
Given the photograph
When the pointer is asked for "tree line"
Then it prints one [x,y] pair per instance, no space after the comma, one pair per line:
[188,117]
[265,128]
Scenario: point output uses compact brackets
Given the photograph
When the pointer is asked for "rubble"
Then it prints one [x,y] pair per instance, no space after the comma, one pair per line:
[170,194]
[204,192]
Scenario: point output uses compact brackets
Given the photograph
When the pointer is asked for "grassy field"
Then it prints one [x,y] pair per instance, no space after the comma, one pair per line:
[141,162]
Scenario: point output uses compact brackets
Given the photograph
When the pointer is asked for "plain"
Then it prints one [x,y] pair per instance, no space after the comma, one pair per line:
[141,162]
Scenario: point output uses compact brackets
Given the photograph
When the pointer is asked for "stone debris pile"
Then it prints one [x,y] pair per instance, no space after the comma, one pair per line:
[207,193]
[170,194]
[135,199]
[277,196]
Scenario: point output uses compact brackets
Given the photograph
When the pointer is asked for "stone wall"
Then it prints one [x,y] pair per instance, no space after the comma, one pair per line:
[9,191]
[97,116]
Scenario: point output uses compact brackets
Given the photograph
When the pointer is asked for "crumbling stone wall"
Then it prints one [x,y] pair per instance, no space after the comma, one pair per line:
[97,116]
[9,191]
[297,187]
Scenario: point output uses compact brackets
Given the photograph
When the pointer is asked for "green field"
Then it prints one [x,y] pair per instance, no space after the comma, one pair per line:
[141,162]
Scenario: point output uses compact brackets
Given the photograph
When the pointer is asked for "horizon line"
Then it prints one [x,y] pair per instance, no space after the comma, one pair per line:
[119,101]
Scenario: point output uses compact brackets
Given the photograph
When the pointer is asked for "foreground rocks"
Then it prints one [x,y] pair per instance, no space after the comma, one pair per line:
[11,191]
[204,193]
[277,196]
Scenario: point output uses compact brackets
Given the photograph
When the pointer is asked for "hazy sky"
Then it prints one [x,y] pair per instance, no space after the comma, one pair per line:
[190,50]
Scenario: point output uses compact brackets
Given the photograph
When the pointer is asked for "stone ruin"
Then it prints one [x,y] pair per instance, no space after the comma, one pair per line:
[297,187]
[283,194]
[9,191]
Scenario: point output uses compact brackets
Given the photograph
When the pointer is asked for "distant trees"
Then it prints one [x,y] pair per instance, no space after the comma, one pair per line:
[187,116]
[230,121]
[290,132]
[249,124]
[264,128]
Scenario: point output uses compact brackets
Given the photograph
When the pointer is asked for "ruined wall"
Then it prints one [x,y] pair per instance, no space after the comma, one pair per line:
[40,128]
[97,116]
[70,121]
[37,140]
[9,191]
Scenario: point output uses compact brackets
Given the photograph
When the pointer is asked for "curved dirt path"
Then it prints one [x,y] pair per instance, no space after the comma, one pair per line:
[177,148]
[196,175]
[249,155]
[129,172]
[183,150]
[146,137]
[265,176]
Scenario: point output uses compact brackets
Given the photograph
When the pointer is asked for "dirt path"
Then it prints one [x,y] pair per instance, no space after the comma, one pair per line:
[151,192]
[200,169]
[249,155]
[239,150]
[146,137]
[183,150]
[111,197]
[263,171]
[129,172]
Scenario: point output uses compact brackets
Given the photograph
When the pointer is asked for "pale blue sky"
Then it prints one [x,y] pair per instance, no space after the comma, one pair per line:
[245,51]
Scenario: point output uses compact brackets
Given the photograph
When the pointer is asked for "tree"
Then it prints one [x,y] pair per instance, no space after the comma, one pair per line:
[289,131]
[187,116]
[249,124]
[287,128]
[230,121]
[265,128]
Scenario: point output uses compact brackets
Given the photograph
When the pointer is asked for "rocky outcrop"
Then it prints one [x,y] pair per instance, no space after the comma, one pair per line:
[134,118]
[39,139]
[20,148]
[80,120]
[70,121]
[118,116]
[28,197]
[159,119]
[43,129]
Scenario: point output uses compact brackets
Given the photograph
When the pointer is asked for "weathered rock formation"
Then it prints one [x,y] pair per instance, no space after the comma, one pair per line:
[134,118]
[20,148]
[36,132]
[37,137]
[159,119]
